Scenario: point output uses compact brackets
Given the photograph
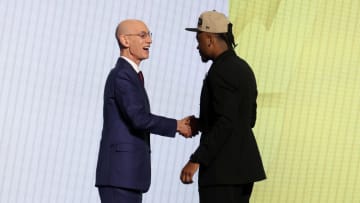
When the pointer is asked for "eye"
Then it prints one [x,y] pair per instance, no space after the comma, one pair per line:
[143,35]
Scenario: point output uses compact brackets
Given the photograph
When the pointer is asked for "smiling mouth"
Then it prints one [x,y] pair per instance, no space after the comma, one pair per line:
[146,48]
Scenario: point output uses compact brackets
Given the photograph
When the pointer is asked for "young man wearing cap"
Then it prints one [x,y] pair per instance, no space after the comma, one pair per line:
[228,155]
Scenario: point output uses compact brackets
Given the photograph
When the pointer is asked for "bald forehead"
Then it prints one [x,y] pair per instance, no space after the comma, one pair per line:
[131,26]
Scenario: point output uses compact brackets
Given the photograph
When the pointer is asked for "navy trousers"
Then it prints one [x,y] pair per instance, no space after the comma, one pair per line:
[119,195]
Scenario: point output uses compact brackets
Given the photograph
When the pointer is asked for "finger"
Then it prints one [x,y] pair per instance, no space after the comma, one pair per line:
[189,179]
[183,178]
[187,133]
[182,175]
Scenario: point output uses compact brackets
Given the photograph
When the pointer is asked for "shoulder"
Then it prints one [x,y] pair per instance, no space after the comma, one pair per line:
[122,68]
[230,65]
[123,65]
[233,61]
[232,70]
[121,72]
[238,66]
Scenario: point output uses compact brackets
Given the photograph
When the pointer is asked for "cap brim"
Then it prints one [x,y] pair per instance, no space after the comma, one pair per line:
[192,29]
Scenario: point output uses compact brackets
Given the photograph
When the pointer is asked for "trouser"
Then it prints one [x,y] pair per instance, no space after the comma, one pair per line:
[226,193]
[119,195]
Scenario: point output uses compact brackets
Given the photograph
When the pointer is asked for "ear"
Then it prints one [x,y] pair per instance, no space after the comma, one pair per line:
[124,41]
[210,40]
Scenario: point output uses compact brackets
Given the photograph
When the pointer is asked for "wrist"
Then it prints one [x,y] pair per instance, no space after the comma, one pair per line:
[177,125]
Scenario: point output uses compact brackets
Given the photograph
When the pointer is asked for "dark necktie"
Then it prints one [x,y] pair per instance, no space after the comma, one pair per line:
[141,77]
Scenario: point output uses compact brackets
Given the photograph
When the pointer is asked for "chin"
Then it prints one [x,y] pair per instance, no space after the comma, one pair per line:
[204,59]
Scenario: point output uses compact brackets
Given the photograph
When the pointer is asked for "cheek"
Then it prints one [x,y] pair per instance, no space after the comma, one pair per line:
[201,46]
[137,48]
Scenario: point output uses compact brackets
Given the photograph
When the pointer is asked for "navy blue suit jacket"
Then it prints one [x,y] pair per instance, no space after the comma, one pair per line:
[124,155]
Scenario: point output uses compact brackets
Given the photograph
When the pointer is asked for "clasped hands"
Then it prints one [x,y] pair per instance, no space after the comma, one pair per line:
[188,126]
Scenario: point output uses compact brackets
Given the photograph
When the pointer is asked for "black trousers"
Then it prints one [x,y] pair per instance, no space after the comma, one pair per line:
[226,193]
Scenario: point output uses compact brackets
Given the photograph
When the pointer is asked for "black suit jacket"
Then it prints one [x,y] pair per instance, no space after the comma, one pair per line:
[228,153]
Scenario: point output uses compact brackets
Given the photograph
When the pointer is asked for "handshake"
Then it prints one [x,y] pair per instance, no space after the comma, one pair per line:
[188,126]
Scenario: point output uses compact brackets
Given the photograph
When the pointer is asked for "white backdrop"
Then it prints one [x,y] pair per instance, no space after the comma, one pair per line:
[54,59]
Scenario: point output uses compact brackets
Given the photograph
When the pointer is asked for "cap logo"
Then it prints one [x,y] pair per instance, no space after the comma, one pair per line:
[200,22]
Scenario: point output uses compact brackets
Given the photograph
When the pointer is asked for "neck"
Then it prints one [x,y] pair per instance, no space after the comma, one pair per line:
[129,56]
[219,51]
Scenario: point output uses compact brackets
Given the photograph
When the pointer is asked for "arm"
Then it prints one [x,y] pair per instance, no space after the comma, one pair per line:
[213,140]
[131,100]
[224,103]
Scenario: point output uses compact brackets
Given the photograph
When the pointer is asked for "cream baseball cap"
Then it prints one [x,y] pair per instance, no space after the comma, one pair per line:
[211,21]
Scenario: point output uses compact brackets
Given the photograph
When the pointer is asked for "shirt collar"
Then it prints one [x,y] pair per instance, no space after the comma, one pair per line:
[133,65]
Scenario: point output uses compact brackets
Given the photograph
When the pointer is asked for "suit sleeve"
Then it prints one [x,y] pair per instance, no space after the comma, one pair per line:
[131,101]
[224,103]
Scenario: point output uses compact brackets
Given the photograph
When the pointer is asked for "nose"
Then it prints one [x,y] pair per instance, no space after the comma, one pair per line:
[149,39]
